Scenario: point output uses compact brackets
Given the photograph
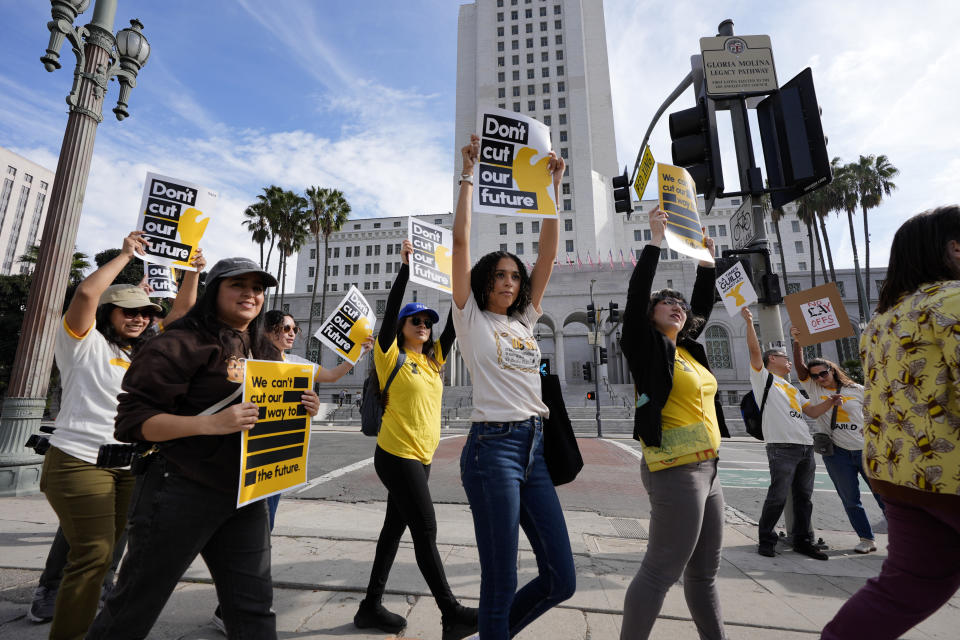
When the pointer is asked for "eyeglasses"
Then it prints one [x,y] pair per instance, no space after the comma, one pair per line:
[295,330]
[674,302]
[417,321]
[820,374]
[146,312]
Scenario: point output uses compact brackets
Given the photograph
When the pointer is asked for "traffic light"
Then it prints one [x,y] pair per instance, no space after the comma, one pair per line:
[591,314]
[621,194]
[614,312]
[794,147]
[603,355]
[696,147]
[591,395]
[586,373]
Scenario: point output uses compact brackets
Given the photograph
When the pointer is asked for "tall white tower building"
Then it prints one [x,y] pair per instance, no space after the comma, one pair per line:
[546,59]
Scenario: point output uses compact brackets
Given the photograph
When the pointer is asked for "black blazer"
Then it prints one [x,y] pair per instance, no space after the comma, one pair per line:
[651,354]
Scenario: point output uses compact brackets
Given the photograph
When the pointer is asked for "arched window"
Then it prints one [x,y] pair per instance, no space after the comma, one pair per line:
[718,347]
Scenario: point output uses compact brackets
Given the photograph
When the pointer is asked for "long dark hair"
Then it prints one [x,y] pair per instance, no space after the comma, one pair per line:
[482,275]
[693,322]
[428,346]
[918,254]
[105,326]
[203,317]
[843,379]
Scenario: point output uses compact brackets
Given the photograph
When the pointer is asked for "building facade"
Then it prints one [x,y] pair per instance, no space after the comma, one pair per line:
[24,200]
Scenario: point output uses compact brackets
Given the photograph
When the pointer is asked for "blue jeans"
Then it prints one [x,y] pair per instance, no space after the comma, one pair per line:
[845,467]
[507,483]
[792,468]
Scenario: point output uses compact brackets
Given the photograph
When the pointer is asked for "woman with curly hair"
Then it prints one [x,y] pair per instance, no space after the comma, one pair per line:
[496,307]
[679,422]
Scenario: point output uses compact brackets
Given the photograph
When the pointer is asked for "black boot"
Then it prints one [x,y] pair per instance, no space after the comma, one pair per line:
[459,623]
[374,615]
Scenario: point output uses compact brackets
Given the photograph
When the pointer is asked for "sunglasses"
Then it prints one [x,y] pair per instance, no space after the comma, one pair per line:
[417,321]
[290,329]
[821,374]
[146,312]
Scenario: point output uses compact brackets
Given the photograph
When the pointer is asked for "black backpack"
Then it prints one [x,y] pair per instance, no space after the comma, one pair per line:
[752,414]
[372,404]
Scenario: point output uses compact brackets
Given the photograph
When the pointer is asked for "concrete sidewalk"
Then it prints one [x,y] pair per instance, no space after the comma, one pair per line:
[323,551]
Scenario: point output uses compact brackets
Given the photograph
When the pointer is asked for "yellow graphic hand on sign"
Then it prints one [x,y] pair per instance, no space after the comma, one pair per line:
[191,230]
[444,259]
[534,177]
[735,294]
[360,331]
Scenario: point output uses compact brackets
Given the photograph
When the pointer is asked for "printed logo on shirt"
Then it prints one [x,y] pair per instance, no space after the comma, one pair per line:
[842,415]
[513,352]
[792,393]
[235,369]
[413,368]
[120,362]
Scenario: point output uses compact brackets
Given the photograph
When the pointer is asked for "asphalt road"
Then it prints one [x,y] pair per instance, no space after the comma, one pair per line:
[340,467]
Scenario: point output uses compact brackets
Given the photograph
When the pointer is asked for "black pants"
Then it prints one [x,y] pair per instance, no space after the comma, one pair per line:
[408,505]
[792,469]
[172,519]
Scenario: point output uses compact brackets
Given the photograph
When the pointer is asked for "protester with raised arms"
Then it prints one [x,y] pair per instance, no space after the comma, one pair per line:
[496,307]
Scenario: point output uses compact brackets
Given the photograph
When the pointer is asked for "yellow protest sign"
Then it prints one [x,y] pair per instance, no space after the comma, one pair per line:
[678,199]
[431,262]
[647,164]
[350,324]
[273,455]
[173,216]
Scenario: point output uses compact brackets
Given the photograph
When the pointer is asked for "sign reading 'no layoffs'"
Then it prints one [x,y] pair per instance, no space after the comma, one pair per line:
[173,216]
[161,279]
[431,262]
[819,314]
[511,173]
[273,455]
[348,326]
[678,199]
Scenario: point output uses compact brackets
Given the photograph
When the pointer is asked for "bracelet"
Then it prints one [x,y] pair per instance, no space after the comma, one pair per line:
[466,177]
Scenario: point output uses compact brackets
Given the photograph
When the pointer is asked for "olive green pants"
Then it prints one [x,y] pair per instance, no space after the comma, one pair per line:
[91,504]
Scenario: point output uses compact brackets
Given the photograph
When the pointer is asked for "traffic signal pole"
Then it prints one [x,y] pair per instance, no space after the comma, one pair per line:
[596,359]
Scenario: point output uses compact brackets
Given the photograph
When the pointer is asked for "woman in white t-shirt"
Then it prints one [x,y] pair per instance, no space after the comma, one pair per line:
[98,335]
[496,307]
[824,380]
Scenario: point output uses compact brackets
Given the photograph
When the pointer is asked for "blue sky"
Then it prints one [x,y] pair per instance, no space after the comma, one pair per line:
[240,94]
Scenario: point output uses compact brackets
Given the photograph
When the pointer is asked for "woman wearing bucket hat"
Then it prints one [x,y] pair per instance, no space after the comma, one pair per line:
[181,394]
[101,330]
[408,438]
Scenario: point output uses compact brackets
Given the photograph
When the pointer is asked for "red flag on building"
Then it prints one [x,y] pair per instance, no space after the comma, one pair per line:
[633,258]
[622,264]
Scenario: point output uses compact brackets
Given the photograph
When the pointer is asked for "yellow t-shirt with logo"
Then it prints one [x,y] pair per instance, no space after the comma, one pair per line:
[911,408]
[411,421]
[690,404]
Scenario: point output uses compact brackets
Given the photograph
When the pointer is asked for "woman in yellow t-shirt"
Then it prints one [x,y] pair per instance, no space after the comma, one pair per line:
[409,435]
[680,425]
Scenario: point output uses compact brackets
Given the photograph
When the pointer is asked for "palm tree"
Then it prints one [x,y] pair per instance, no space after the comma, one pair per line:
[875,180]
[79,264]
[806,215]
[329,210]
[822,202]
[255,220]
[291,231]
[849,199]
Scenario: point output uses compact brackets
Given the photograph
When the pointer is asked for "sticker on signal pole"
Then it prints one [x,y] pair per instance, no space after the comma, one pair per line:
[273,455]
[431,262]
[735,289]
[350,324]
[819,314]
[161,279]
[647,165]
[174,214]
[678,199]
[511,176]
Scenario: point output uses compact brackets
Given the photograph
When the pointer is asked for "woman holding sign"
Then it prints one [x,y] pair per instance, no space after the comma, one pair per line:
[181,399]
[409,436]
[496,307]
[103,327]
[679,422]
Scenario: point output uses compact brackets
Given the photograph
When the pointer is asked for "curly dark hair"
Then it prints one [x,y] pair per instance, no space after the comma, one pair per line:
[273,319]
[693,323]
[105,326]
[483,273]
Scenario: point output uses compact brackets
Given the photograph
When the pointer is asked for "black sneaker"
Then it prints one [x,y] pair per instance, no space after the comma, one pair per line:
[44,602]
[767,550]
[375,616]
[460,623]
[809,549]
[820,544]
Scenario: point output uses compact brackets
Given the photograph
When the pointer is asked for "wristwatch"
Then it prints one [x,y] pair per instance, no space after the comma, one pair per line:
[466,177]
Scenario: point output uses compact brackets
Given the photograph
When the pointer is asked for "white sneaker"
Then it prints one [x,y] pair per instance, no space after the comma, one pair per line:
[865,546]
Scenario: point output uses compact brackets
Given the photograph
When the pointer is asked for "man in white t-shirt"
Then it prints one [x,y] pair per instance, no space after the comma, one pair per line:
[789,447]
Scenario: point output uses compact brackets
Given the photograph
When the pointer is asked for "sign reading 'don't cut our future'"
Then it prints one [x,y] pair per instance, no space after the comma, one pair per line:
[174,214]
[511,174]
[348,326]
[273,455]
[161,279]
[678,199]
[431,262]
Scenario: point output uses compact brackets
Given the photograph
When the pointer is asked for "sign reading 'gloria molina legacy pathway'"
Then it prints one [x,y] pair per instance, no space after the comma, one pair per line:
[738,65]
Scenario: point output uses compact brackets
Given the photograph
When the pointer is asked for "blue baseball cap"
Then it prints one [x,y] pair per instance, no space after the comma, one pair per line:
[414,308]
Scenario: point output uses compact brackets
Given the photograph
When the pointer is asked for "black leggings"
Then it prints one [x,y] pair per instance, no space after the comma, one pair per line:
[408,505]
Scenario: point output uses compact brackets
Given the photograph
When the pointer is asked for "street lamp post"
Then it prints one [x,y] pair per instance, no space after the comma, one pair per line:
[100,56]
